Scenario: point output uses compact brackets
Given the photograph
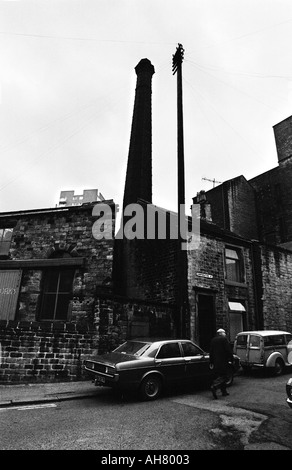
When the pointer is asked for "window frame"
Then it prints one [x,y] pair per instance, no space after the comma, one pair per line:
[239,277]
[3,242]
[56,294]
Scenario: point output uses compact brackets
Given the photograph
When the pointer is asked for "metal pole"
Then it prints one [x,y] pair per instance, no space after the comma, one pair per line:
[182,294]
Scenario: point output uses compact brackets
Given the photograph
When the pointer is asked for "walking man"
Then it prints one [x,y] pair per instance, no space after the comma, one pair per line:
[220,357]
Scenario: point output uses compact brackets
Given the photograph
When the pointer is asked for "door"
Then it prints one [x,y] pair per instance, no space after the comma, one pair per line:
[255,346]
[241,348]
[170,362]
[196,363]
[9,289]
[206,320]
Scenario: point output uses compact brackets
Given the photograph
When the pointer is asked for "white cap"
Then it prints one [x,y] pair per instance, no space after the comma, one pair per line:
[221,330]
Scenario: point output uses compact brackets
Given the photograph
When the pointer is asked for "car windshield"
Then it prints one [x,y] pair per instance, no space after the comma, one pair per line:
[136,348]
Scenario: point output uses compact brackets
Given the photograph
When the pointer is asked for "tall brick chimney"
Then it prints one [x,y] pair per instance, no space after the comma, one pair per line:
[139,170]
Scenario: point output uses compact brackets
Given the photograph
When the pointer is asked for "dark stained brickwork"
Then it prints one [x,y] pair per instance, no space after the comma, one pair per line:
[276,285]
[274,202]
[38,350]
[233,207]
[283,138]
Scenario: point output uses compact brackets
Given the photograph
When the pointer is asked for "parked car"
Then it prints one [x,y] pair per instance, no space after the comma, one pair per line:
[149,366]
[289,392]
[268,349]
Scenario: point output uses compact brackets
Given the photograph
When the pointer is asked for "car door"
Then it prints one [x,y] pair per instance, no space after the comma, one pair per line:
[196,361]
[170,362]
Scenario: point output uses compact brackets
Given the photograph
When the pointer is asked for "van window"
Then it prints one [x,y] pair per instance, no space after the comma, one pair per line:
[288,338]
[268,341]
[241,340]
[277,340]
[254,341]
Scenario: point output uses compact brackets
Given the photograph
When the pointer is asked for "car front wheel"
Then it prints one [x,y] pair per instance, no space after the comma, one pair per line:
[151,387]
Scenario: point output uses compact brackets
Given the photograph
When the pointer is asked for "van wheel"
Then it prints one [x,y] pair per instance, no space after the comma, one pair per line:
[151,387]
[279,367]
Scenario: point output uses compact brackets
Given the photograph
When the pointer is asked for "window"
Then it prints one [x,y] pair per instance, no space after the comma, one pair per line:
[277,340]
[57,292]
[5,240]
[233,262]
[254,341]
[288,339]
[190,349]
[169,350]
[242,340]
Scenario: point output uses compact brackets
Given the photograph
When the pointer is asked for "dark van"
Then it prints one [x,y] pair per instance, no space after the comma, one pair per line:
[269,349]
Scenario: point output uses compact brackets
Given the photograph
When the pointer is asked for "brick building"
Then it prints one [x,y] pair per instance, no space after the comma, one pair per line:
[260,210]
[52,271]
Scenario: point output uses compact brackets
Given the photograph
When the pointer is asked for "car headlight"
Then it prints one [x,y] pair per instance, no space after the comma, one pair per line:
[110,370]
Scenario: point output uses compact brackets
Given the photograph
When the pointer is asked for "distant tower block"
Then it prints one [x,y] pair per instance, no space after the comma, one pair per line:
[68,198]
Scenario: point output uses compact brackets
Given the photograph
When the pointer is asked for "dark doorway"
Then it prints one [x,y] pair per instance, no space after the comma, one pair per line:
[206,320]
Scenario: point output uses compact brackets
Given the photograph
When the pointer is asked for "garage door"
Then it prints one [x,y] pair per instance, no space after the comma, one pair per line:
[9,289]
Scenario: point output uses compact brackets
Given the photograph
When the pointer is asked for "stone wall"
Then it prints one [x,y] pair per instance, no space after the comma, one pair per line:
[37,350]
[43,352]
[277,293]
[207,274]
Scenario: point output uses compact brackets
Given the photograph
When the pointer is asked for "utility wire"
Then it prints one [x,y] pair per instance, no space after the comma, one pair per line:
[238,72]
[70,38]
[220,115]
[47,152]
[242,36]
[231,86]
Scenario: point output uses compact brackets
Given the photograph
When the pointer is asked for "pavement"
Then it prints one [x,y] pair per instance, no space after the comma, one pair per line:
[24,394]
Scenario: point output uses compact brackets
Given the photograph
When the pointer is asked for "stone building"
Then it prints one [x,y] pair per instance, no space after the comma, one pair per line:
[52,272]
[260,210]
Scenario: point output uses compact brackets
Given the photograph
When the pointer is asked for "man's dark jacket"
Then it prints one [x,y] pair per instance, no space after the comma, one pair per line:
[220,354]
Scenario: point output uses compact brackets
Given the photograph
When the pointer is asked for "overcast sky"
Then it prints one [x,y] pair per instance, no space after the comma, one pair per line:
[68,84]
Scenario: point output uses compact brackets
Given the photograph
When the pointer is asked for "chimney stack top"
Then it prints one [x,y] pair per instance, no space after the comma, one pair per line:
[144,66]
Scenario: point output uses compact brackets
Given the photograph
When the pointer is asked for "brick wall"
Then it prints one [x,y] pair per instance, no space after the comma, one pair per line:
[34,350]
[233,207]
[207,274]
[42,352]
[276,295]
[274,202]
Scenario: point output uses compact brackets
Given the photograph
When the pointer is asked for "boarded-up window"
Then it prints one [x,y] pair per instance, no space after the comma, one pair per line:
[9,289]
